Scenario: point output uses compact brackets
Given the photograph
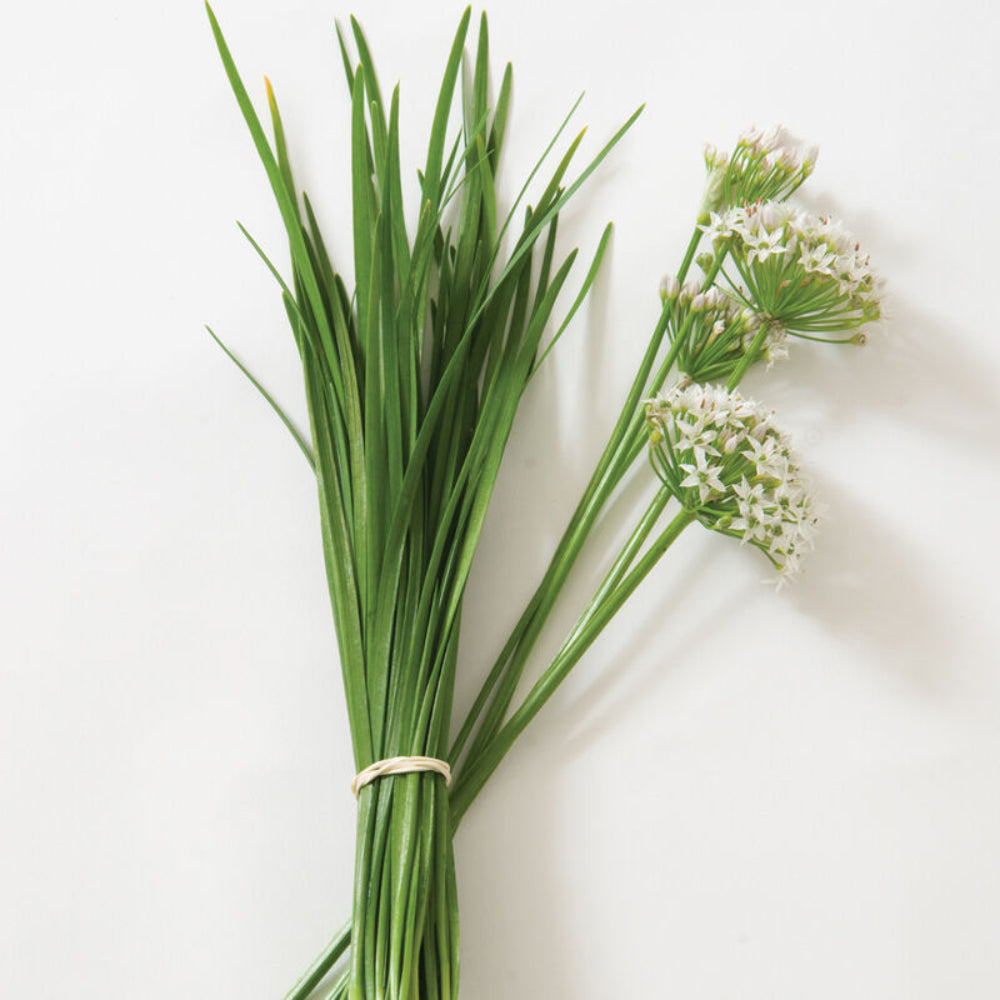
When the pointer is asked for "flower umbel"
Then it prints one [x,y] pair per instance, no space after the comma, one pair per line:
[764,165]
[715,331]
[723,458]
[803,271]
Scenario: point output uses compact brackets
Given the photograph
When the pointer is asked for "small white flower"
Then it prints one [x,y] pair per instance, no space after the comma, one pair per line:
[767,244]
[817,259]
[702,475]
[766,455]
[692,433]
[714,228]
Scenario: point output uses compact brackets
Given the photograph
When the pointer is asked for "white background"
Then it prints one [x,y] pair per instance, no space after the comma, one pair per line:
[738,794]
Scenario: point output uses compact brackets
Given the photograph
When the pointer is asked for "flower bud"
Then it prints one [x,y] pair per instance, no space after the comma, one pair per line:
[669,288]
[705,261]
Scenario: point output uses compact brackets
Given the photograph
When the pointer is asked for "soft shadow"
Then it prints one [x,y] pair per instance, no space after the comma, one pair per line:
[865,584]
[611,692]
[916,365]
[913,371]
[511,882]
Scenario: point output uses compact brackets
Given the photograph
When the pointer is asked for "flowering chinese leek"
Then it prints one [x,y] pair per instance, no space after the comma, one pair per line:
[412,381]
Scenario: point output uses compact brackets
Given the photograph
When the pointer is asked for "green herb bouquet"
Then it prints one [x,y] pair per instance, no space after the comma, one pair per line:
[413,375]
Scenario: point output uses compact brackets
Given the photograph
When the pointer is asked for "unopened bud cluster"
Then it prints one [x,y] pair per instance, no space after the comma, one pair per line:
[715,331]
[763,165]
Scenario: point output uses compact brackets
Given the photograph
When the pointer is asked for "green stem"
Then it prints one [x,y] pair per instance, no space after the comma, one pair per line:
[473,778]
[625,559]
[323,963]
[502,679]
[339,990]
[748,356]
[692,249]
[493,700]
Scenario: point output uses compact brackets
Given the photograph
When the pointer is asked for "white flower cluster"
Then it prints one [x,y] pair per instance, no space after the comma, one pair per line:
[805,271]
[764,164]
[723,458]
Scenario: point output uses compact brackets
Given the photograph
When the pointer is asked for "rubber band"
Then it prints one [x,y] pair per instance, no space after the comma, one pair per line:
[399,765]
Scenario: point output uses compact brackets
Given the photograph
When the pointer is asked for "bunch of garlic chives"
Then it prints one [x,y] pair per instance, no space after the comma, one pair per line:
[772,250]
[409,427]
[497,732]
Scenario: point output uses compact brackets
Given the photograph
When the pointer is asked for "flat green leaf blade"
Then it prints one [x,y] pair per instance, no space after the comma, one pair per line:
[285,419]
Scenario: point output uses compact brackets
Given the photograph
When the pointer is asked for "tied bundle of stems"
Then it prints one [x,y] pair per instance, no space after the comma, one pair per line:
[412,385]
